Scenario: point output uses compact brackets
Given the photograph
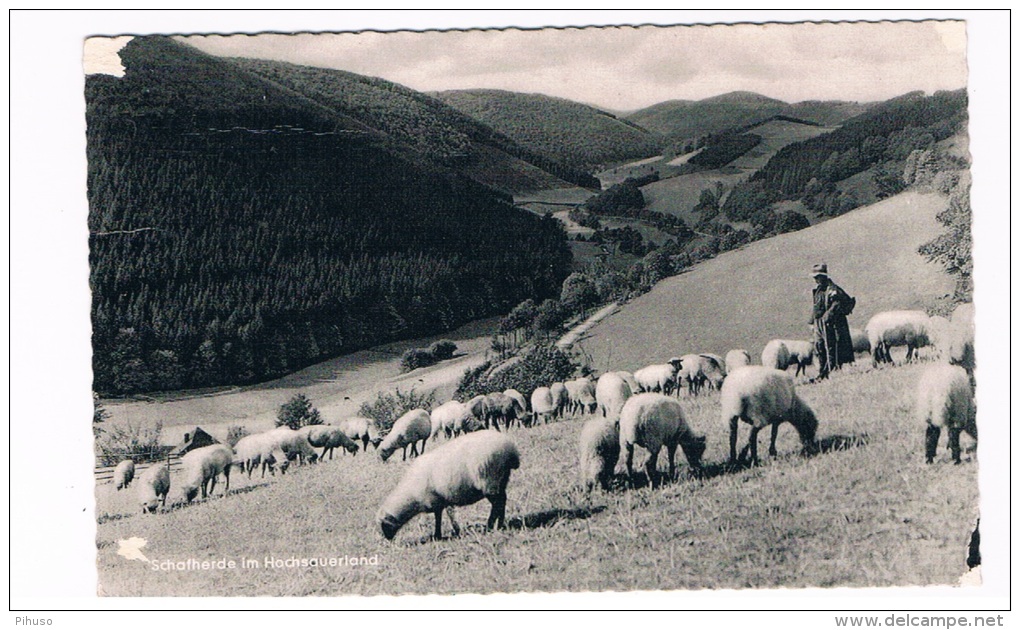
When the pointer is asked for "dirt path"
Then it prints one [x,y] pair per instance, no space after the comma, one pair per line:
[576,332]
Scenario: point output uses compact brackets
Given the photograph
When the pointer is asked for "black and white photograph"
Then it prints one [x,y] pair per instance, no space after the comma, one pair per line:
[565,308]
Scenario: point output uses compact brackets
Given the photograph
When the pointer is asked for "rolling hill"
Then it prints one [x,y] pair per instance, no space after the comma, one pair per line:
[574,133]
[241,229]
[680,119]
[425,125]
[762,291]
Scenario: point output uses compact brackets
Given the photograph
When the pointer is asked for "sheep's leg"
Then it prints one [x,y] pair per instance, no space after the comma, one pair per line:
[404,454]
[772,442]
[910,353]
[651,469]
[671,453]
[364,441]
[212,483]
[439,524]
[733,439]
[497,516]
[931,442]
[753,444]
[954,443]
[453,521]
[630,463]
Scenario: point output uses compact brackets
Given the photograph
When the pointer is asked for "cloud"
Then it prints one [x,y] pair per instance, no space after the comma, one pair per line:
[628,68]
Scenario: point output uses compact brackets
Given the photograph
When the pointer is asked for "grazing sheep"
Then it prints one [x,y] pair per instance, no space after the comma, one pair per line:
[293,443]
[652,421]
[123,474]
[859,339]
[477,407]
[251,451]
[945,399]
[560,397]
[581,393]
[737,359]
[461,472]
[776,355]
[543,405]
[523,415]
[201,467]
[611,392]
[599,450]
[660,377]
[409,428]
[499,406]
[445,418]
[361,429]
[897,328]
[328,437]
[763,396]
[698,370]
[153,486]
[802,354]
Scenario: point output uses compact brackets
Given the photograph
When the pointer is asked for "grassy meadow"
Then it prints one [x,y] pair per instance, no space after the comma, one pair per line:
[865,511]
[762,291]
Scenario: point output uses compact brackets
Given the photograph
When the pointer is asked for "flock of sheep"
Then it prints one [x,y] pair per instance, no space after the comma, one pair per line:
[639,409]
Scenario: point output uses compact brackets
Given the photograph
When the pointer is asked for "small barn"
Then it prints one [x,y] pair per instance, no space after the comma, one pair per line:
[195,439]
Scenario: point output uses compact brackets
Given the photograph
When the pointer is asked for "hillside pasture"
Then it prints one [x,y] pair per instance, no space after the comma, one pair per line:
[864,512]
[775,134]
[762,291]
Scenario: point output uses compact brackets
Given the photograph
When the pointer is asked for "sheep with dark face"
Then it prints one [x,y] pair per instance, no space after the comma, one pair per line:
[802,354]
[123,474]
[945,399]
[361,429]
[599,450]
[463,471]
[763,396]
[652,421]
[499,407]
[699,370]
[328,437]
[560,398]
[153,486]
[409,429]
[521,406]
[202,466]
[293,443]
[660,377]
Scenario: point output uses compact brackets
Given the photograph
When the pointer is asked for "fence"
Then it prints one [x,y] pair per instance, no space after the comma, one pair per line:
[105,473]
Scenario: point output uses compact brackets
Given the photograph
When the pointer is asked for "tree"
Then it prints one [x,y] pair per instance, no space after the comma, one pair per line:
[578,294]
[298,412]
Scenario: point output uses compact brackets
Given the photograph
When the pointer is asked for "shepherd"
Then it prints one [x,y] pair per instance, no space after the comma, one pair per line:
[831,332]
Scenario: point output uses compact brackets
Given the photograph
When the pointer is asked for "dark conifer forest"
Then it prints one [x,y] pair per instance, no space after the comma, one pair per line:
[240,230]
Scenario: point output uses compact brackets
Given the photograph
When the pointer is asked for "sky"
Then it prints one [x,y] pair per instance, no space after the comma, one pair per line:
[627,68]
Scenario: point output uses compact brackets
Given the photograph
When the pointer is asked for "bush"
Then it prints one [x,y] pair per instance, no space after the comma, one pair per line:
[131,441]
[297,412]
[540,367]
[388,406]
[234,434]
[442,349]
[414,358]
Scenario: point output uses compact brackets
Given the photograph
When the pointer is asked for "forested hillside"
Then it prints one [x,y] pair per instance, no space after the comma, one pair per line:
[436,131]
[574,133]
[882,138]
[240,230]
